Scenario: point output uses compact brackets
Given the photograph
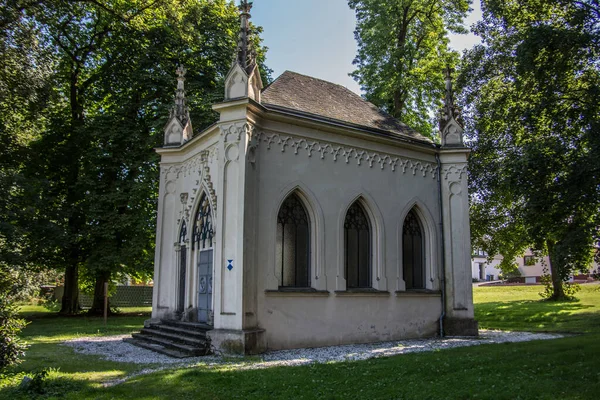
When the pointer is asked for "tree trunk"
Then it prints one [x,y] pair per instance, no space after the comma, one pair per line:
[557,282]
[70,299]
[98,303]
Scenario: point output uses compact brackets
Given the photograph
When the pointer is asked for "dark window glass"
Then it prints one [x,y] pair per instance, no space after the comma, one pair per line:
[183,233]
[357,247]
[412,252]
[293,243]
[202,235]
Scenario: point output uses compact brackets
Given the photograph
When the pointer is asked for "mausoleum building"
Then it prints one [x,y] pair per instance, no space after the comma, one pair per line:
[307,217]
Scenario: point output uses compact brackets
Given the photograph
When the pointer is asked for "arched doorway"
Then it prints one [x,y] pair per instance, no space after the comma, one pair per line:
[202,242]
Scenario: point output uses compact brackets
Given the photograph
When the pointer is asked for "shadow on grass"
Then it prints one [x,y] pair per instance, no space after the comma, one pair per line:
[542,369]
[540,316]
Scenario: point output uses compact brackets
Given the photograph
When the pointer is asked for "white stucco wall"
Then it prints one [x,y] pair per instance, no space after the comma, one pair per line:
[192,170]
[328,188]
[249,164]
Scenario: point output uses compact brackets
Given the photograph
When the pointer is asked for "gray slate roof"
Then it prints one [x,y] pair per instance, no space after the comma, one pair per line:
[305,94]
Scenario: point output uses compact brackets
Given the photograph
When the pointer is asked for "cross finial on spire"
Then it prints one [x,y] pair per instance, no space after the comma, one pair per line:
[180,110]
[245,55]
[180,71]
[450,123]
[449,101]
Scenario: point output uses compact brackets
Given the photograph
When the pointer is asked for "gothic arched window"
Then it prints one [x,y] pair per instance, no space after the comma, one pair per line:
[412,252]
[293,243]
[357,247]
[202,235]
[183,233]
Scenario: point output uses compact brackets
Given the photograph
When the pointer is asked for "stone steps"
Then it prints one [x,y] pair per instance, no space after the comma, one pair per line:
[174,338]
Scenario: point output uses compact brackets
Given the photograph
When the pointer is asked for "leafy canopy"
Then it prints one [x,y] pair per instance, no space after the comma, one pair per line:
[532,93]
[403,48]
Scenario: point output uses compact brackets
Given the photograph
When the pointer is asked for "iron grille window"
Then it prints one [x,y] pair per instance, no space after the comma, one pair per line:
[357,248]
[203,228]
[183,233]
[293,243]
[412,252]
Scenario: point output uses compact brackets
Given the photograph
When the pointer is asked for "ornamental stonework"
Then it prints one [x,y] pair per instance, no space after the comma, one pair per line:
[347,154]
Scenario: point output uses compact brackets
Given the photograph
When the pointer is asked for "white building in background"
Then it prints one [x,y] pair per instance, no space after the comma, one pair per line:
[307,217]
[531,268]
[483,269]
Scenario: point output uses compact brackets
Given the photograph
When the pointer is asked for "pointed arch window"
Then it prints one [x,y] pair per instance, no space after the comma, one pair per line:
[413,252]
[183,233]
[202,235]
[293,243]
[357,247]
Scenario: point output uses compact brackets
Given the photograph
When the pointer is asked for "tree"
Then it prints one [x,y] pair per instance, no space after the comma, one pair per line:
[402,53]
[532,93]
[90,182]
[11,348]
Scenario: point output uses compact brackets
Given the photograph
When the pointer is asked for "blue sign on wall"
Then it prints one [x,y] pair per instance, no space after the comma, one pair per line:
[229,264]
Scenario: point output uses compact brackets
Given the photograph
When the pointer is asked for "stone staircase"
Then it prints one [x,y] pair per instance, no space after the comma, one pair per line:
[174,338]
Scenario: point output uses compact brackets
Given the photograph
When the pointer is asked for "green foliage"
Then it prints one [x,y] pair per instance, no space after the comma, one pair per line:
[402,52]
[569,289]
[510,271]
[37,383]
[82,173]
[531,93]
[11,347]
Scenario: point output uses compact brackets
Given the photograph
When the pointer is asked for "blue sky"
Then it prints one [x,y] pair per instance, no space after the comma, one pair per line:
[316,37]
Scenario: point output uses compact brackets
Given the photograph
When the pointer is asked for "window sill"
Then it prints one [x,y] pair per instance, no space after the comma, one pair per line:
[297,292]
[366,292]
[418,293]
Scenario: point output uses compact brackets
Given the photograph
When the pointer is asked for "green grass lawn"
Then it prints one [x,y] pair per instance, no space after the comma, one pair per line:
[518,308]
[567,368]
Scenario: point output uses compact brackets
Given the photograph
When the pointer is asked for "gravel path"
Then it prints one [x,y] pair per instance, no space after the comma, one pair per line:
[113,348]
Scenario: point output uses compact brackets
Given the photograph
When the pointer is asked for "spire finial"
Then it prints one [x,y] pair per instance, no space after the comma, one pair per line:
[245,54]
[180,111]
[449,101]
[450,123]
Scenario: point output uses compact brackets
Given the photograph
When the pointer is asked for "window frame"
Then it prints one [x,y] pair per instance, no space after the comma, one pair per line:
[369,243]
[308,256]
[423,265]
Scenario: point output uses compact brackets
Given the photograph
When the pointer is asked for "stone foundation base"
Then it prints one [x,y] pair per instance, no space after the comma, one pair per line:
[460,327]
[247,341]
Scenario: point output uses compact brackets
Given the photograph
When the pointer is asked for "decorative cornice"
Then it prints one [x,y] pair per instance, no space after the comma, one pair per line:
[233,132]
[454,170]
[197,165]
[205,174]
[362,156]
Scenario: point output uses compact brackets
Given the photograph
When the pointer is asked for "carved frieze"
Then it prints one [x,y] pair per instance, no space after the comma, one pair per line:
[197,166]
[345,153]
[233,132]
[454,172]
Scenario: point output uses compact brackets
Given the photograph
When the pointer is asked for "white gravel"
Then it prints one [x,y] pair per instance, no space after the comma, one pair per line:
[114,349]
